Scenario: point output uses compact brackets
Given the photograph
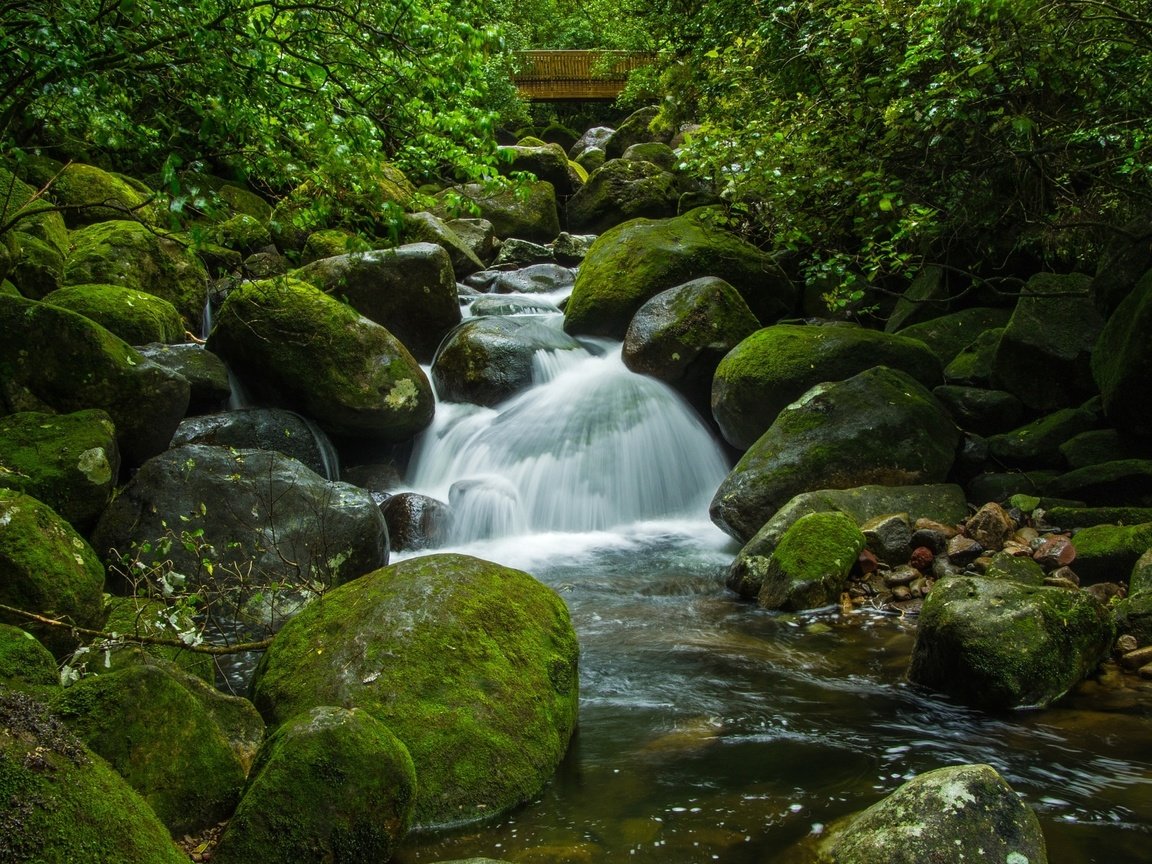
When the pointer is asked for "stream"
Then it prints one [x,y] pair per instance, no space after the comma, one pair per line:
[710,730]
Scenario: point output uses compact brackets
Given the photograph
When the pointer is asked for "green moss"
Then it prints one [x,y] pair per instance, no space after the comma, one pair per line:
[1038,443]
[332,242]
[1107,553]
[948,335]
[134,316]
[82,189]
[1066,515]
[61,805]
[36,218]
[23,658]
[245,202]
[621,190]
[140,616]
[472,665]
[810,565]
[1015,569]
[38,268]
[242,233]
[973,365]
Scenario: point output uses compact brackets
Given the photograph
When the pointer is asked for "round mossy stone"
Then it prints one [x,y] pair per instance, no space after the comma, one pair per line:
[472,665]
[90,194]
[48,569]
[620,190]
[330,242]
[95,817]
[23,658]
[528,211]
[810,565]
[37,269]
[134,316]
[331,784]
[1107,553]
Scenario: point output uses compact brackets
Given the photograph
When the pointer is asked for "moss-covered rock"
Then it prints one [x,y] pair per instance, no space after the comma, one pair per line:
[486,360]
[160,739]
[529,213]
[1069,515]
[596,137]
[330,785]
[411,290]
[48,569]
[620,190]
[635,129]
[242,233]
[548,162]
[134,316]
[1107,553]
[949,814]
[1014,568]
[1002,644]
[61,804]
[37,268]
[68,461]
[24,658]
[206,373]
[89,194]
[35,216]
[1049,339]
[299,348]
[925,297]
[978,410]
[1097,446]
[775,366]
[262,513]
[1134,616]
[950,334]
[1123,483]
[590,159]
[472,665]
[273,429]
[1122,361]
[52,359]
[633,262]
[151,618]
[973,365]
[942,503]
[331,242]
[682,334]
[810,565]
[656,152]
[879,426]
[1037,444]
[133,256]
[424,227]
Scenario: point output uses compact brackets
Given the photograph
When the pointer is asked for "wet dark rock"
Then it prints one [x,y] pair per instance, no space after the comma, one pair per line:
[620,190]
[1037,444]
[416,521]
[597,136]
[478,235]
[889,536]
[427,228]
[515,252]
[1054,551]
[534,279]
[205,372]
[978,410]
[511,304]
[263,429]
[571,249]
[1124,483]
[962,550]
[990,526]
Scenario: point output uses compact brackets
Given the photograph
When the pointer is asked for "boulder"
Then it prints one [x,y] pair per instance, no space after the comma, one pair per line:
[89,194]
[138,618]
[243,233]
[1044,354]
[159,738]
[37,268]
[775,366]
[534,279]
[635,129]
[409,289]
[262,514]
[331,242]
[1037,444]
[24,659]
[299,348]
[330,785]
[879,426]
[1097,446]
[134,256]
[572,249]
[55,360]
[633,262]
[943,503]
[681,335]
[273,429]
[521,253]
[1124,262]
[68,461]
[1107,553]
[1002,644]
[620,190]
[512,304]
[978,410]
[656,152]
[35,217]
[948,335]
[487,360]
[810,565]
[472,665]
[95,816]
[1122,361]
[206,373]
[134,316]
[479,235]
[597,136]
[925,298]
[591,159]
[1133,616]
[973,365]
[549,163]
[46,568]
[423,227]
[949,814]
[1122,483]
[416,521]
[528,211]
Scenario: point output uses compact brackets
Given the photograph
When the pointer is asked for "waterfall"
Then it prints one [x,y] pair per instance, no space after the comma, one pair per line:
[591,447]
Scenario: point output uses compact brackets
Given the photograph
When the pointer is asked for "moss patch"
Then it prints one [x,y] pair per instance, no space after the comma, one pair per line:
[136,317]
[810,565]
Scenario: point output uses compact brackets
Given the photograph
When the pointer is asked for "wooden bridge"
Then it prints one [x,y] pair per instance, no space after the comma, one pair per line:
[584,76]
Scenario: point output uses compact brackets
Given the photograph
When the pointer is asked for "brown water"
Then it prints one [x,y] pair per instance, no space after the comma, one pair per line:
[711,731]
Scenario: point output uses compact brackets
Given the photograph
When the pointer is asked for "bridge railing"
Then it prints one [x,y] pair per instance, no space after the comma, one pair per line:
[546,76]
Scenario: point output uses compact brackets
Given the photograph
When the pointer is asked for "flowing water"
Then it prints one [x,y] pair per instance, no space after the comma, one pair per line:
[709,730]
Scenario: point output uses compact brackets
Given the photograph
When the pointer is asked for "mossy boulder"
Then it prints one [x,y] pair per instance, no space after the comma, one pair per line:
[133,256]
[879,426]
[151,618]
[810,565]
[1002,644]
[1133,615]
[1122,361]
[37,269]
[620,190]
[596,136]
[924,298]
[948,814]
[263,513]
[472,665]
[68,461]
[635,129]
[48,569]
[979,410]
[242,233]
[479,235]
[635,261]
[299,348]
[1107,553]
[24,658]
[974,364]
[89,194]
[1014,568]
[548,162]
[207,376]
[411,290]
[1124,482]
[159,738]
[424,227]
[943,502]
[61,804]
[52,359]
[775,366]
[656,152]
[529,213]
[1097,446]
[330,242]
[682,334]
[134,316]
[273,429]
[35,216]
[331,784]
[1049,339]
[1037,444]
[487,360]
[948,335]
